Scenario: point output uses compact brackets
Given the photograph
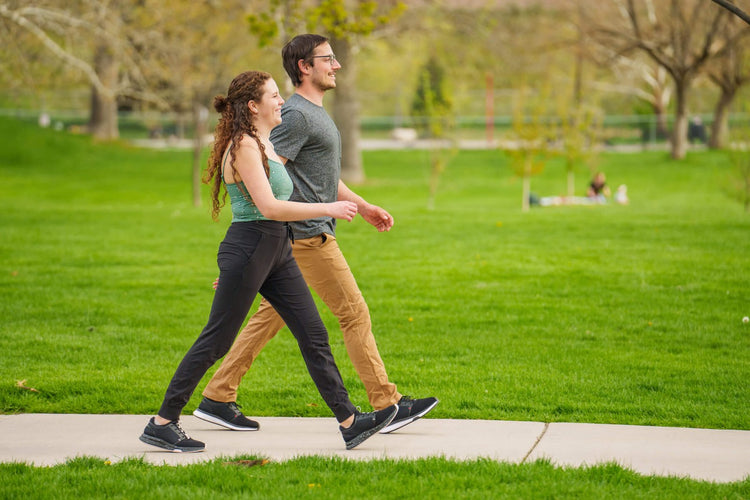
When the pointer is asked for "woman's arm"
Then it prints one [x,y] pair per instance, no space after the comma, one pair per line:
[249,165]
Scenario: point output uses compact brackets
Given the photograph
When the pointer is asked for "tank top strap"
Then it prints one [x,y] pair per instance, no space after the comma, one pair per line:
[224,162]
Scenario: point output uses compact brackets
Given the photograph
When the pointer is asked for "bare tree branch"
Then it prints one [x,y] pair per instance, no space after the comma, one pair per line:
[706,53]
[55,48]
[733,9]
[51,15]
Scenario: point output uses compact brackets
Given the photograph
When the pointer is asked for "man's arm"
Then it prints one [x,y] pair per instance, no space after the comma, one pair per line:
[373,214]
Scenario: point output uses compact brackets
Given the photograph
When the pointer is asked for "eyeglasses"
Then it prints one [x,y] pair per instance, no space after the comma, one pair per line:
[331,58]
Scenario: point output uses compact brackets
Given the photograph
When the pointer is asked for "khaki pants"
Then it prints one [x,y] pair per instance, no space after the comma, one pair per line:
[326,271]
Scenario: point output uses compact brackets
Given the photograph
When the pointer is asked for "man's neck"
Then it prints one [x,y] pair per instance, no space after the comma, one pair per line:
[310,93]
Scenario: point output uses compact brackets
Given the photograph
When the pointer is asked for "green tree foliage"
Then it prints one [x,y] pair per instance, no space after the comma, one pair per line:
[336,18]
[360,19]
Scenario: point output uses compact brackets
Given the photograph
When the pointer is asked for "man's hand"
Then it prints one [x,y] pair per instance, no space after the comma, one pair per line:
[378,217]
[373,214]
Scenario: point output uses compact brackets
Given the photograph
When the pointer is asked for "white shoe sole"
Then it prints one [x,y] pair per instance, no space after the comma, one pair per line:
[215,420]
[394,426]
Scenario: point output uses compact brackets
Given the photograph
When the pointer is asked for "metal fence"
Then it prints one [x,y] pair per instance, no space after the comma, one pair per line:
[473,131]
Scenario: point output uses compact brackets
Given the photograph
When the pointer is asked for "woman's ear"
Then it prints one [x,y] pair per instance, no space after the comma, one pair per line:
[252,106]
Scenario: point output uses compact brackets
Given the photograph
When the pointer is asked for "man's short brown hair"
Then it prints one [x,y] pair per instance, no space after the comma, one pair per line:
[299,47]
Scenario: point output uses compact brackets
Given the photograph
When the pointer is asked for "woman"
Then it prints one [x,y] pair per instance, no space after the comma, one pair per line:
[255,257]
[598,189]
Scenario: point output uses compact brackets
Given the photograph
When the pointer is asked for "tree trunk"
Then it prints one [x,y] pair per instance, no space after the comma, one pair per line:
[679,134]
[346,112]
[103,120]
[719,127]
[571,181]
[526,184]
[661,96]
[200,118]
[662,132]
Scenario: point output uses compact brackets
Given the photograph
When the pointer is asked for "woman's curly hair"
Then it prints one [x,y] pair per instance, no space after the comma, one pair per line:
[235,121]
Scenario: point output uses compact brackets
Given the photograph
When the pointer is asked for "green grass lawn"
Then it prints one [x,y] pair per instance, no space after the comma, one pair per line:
[313,477]
[611,314]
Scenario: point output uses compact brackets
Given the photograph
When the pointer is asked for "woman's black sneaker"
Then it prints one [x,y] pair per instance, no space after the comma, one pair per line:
[225,414]
[410,410]
[170,437]
[367,424]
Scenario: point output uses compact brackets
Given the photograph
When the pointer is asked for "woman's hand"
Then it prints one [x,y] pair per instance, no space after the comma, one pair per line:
[343,210]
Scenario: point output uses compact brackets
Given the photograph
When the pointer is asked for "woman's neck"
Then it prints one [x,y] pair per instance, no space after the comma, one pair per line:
[264,136]
[264,132]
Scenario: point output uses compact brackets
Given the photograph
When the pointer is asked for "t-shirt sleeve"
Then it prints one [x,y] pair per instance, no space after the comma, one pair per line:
[291,134]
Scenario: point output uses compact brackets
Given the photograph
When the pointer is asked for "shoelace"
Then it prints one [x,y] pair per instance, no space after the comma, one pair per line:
[359,416]
[179,430]
[370,415]
[235,408]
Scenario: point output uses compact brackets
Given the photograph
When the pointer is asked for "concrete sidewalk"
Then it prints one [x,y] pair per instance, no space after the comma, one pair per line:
[706,454]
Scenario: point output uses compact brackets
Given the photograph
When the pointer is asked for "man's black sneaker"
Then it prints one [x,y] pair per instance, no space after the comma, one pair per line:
[170,437]
[367,424]
[410,410]
[225,414]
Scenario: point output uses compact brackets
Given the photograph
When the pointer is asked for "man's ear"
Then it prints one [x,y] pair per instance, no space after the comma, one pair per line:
[303,66]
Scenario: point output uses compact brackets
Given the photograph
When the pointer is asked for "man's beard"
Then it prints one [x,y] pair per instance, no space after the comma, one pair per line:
[324,85]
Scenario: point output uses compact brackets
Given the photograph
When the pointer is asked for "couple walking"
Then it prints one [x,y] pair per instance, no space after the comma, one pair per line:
[282,177]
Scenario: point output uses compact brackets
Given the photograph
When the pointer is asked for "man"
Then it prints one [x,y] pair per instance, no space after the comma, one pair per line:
[309,144]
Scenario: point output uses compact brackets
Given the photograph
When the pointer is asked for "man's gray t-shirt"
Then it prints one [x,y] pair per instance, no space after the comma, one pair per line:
[310,141]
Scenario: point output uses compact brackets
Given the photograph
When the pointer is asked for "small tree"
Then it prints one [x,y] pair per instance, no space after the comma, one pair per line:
[432,103]
[579,129]
[433,108]
[532,134]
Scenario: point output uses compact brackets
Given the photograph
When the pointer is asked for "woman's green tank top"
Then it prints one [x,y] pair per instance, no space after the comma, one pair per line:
[243,207]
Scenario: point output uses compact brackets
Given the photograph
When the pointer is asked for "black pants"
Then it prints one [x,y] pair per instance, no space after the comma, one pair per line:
[257,257]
